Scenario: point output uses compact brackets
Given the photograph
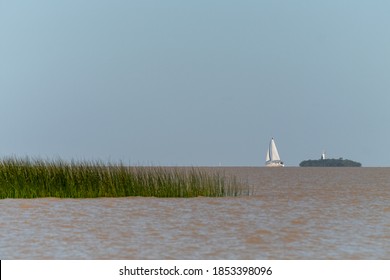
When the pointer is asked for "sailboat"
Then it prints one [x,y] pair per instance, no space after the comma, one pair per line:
[273,159]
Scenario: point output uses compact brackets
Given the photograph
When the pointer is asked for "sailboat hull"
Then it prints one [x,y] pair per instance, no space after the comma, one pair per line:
[274,164]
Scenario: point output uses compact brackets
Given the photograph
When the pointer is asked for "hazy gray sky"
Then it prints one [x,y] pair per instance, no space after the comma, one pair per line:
[195,82]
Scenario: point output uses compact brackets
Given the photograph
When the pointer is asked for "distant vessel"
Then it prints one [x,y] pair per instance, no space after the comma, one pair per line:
[273,159]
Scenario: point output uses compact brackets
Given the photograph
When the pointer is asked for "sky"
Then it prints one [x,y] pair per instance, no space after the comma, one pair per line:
[205,82]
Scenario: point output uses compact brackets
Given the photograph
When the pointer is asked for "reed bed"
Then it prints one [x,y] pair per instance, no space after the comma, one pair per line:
[25,178]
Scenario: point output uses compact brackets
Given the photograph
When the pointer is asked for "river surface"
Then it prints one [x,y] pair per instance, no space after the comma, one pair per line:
[292,213]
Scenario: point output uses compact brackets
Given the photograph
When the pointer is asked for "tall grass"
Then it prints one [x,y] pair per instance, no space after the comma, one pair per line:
[25,178]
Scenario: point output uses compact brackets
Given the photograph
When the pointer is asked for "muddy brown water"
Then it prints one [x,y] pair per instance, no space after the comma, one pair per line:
[292,213]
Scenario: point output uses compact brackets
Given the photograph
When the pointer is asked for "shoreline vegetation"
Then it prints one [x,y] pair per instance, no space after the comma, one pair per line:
[25,178]
[330,163]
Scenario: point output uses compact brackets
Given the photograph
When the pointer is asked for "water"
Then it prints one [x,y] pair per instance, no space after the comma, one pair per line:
[294,213]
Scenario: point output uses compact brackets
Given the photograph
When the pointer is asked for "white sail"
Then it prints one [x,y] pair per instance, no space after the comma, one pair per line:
[268,158]
[272,157]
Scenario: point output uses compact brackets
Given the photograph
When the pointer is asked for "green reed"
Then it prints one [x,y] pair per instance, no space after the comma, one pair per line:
[25,178]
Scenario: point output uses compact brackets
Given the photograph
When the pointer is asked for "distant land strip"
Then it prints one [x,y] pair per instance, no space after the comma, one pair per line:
[330,163]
